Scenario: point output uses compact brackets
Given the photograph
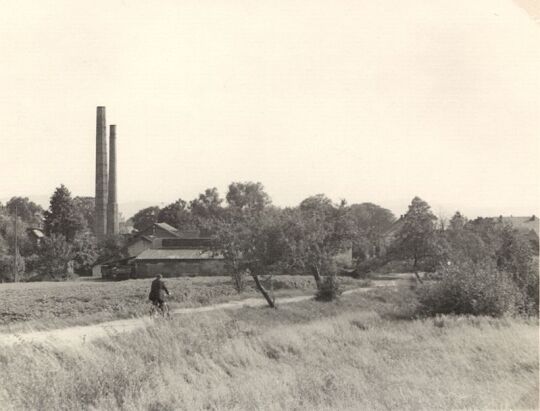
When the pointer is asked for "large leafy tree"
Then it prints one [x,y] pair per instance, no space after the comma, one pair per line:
[206,208]
[176,214]
[370,222]
[55,256]
[465,245]
[145,218]
[7,235]
[457,222]
[29,212]
[252,242]
[86,207]
[417,238]
[63,217]
[236,227]
[489,229]
[9,270]
[85,252]
[315,233]
[247,195]
[515,254]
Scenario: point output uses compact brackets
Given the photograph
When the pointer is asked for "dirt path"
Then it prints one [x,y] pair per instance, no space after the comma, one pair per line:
[77,335]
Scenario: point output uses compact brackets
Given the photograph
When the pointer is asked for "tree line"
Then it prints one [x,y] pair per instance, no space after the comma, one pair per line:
[68,246]
[259,239]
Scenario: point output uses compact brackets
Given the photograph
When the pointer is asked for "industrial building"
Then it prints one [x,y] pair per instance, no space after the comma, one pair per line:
[160,248]
[163,249]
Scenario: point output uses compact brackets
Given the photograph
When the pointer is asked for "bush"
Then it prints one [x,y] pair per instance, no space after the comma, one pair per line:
[7,266]
[329,289]
[469,289]
[530,287]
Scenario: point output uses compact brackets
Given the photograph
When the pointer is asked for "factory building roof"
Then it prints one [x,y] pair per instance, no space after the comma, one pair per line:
[178,254]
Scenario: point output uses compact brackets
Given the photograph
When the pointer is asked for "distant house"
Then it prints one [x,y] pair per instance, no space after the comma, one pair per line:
[35,234]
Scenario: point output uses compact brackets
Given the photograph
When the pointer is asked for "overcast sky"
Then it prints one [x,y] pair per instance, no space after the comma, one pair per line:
[365,100]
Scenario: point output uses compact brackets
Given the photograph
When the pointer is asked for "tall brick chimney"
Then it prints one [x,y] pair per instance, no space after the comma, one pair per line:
[112,206]
[101,174]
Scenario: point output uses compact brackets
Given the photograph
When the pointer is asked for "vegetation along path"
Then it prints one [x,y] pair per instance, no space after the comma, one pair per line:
[80,334]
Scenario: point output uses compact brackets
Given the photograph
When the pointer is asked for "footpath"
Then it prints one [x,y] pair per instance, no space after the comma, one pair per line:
[77,335]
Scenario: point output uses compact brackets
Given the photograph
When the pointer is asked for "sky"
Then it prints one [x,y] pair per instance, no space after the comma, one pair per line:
[370,101]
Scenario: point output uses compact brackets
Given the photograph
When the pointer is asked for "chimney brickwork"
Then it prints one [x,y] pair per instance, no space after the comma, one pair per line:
[112,206]
[101,174]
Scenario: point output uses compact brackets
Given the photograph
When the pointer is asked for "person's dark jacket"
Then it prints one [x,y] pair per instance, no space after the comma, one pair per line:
[158,290]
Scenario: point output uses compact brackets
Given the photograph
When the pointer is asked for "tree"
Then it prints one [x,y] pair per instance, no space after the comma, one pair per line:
[465,245]
[417,239]
[85,253]
[55,254]
[489,230]
[110,246]
[252,242]
[247,195]
[7,233]
[370,222]
[27,210]
[176,214]
[8,271]
[63,217]
[515,255]
[145,218]
[457,222]
[247,233]
[206,208]
[86,207]
[315,233]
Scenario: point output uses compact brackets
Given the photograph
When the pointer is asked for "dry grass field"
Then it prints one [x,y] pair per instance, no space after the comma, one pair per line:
[43,305]
[362,352]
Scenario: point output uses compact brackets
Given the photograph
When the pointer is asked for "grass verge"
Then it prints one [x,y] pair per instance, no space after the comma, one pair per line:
[362,352]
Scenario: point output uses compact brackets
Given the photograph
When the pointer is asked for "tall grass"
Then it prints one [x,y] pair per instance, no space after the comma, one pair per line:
[303,356]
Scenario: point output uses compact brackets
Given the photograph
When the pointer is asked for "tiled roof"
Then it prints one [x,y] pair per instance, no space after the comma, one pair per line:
[177,254]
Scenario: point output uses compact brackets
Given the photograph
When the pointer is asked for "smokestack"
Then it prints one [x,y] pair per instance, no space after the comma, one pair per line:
[112,206]
[101,173]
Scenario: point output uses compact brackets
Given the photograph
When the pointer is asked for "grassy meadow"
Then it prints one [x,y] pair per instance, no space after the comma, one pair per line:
[44,305]
[365,351]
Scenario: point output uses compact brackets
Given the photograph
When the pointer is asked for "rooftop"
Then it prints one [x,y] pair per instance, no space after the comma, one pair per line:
[178,254]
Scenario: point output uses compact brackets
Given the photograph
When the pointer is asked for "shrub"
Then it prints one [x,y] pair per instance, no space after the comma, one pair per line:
[529,285]
[470,289]
[55,255]
[7,266]
[329,289]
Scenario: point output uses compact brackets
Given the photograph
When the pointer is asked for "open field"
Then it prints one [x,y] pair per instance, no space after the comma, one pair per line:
[44,305]
[363,352]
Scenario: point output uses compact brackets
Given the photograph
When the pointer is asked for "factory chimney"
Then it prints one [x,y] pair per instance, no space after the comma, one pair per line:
[101,174]
[112,206]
